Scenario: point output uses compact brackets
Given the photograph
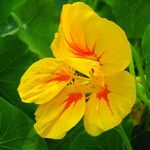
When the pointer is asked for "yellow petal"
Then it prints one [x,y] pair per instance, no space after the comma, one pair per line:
[44,80]
[71,46]
[111,46]
[83,34]
[55,118]
[107,107]
[86,66]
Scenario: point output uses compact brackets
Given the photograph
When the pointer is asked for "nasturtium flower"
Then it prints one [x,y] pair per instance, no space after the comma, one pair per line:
[86,79]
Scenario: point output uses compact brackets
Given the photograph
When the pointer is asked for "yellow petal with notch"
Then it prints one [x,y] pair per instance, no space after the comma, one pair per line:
[44,80]
[58,116]
[107,107]
[83,34]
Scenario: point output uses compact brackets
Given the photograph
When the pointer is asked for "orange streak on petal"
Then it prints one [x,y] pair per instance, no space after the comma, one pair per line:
[83,53]
[76,50]
[72,98]
[60,76]
[103,94]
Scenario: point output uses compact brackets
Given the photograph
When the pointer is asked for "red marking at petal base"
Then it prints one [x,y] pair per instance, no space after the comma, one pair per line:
[104,94]
[76,50]
[72,98]
[60,76]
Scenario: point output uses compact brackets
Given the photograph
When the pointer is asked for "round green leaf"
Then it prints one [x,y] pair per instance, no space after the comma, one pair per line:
[131,15]
[16,130]
[15,58]
[38,21]
[64,143]
[108,140]
[6,6]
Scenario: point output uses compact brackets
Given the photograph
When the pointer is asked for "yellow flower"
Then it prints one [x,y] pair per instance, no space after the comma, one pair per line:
[86,79]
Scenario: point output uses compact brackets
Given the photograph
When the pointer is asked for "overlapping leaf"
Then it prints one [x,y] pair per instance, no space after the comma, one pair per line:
[16,130]
[146,52]
[38,21]
[6,6]
[110,140]
[15,58]
[131,15]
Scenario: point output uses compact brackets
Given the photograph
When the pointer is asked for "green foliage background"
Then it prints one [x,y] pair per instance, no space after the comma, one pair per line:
[27,28]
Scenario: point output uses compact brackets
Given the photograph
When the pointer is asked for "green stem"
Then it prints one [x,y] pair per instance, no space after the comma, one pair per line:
[143,97]
[17,19]
[131,67]
[140,70]
[124,137]
[10,32]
